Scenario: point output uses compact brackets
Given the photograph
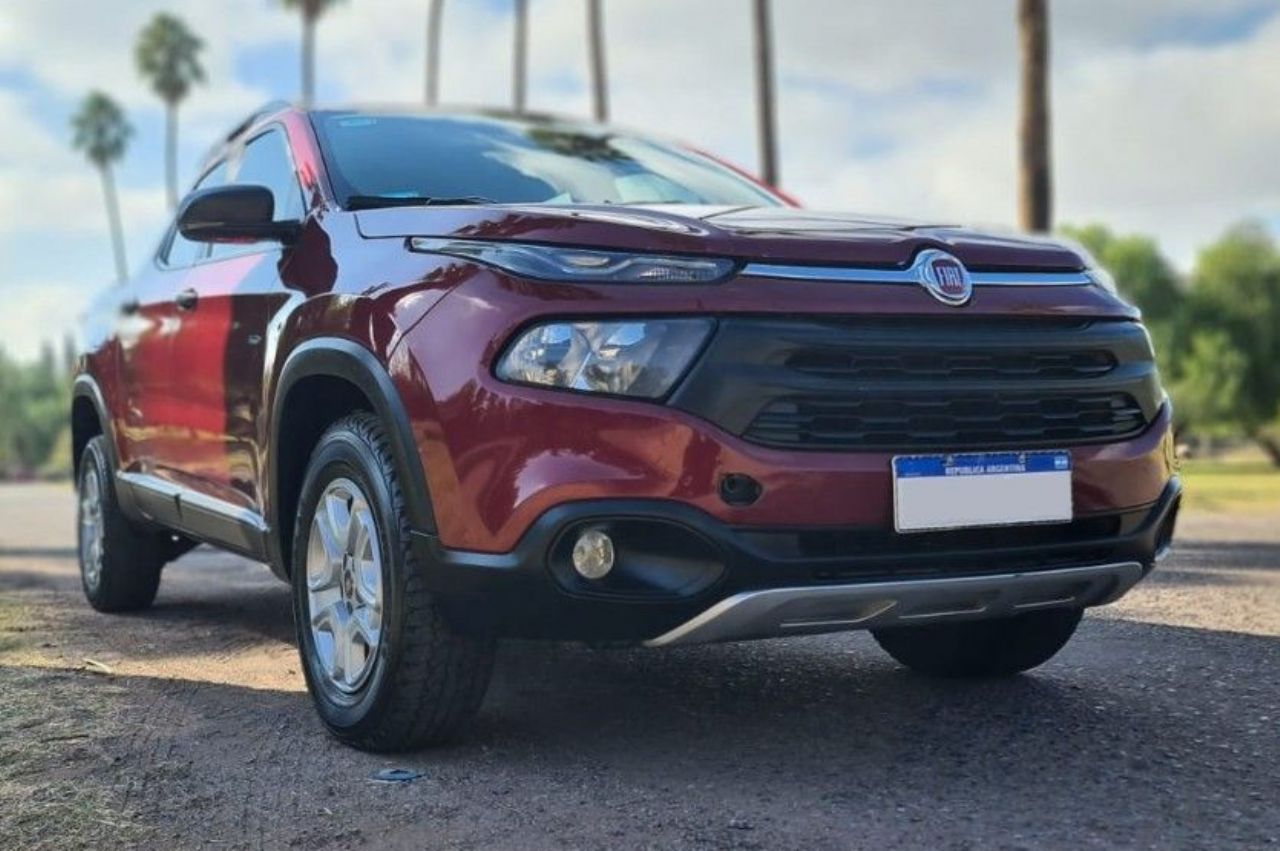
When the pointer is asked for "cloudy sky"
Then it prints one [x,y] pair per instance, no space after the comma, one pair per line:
[1167,112]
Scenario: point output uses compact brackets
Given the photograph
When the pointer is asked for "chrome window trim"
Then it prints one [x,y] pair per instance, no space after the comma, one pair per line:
[863,275]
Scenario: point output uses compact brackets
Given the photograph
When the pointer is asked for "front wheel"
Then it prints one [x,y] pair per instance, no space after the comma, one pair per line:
[119,563]
[385,670]
[991,648]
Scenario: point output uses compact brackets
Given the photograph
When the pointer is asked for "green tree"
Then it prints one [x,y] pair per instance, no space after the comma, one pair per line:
[311,10]
[1209,382]
[10,401]
[35,400]
[101,132]
[168,57]
[1236,291]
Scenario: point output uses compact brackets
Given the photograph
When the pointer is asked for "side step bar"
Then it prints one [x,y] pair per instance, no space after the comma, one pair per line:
[798,611]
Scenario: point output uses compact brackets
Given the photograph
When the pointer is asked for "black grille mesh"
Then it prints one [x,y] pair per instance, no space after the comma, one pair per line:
[906,384]
[872,363]
[944,421]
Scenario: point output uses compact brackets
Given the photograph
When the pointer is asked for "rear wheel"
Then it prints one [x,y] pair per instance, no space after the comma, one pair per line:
[989,648]
[385,670]
[119,563]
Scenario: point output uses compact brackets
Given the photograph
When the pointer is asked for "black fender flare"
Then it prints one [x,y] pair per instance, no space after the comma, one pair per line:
[86,386]
[337,357]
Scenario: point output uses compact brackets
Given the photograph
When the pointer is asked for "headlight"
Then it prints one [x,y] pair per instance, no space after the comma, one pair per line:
[557,263]
[630,358]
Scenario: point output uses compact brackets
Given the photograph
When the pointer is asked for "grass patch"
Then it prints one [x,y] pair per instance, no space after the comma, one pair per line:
[1231,488]
[54,793]
[13,625]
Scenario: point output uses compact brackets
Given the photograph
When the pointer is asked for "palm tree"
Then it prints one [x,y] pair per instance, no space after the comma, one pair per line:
[520,58]
[764,93]
[1035,171]
[99,129]
[595,44]
[435,18]
[311,11]
[167,54]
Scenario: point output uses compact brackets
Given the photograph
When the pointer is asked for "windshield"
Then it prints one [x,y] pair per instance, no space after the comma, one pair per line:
[469,159]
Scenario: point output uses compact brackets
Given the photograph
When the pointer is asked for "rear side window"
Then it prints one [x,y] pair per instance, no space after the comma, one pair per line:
[184,252]
[265,161]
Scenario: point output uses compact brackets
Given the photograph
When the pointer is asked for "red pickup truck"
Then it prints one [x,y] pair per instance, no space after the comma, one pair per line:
[460,377]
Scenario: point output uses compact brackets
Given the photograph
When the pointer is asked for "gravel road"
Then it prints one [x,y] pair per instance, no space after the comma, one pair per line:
[187,726]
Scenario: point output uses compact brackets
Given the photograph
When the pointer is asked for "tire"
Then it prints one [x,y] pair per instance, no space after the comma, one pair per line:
[387,677]
[990,648]
[119,563]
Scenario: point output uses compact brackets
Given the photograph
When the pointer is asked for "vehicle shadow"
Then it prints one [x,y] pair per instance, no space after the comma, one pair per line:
[1215,563]
[823,732]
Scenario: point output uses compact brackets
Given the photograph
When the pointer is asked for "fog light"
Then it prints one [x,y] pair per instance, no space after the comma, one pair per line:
[593,554]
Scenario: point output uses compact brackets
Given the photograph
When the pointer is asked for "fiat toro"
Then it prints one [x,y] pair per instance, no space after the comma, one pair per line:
[463,377]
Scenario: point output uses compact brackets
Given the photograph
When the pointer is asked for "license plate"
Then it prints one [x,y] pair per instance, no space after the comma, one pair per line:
[932,492]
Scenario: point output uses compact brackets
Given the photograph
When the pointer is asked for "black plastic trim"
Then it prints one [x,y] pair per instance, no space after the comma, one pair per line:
[86,386]
[748,366]
[518,594]
[348,360]
[202,518]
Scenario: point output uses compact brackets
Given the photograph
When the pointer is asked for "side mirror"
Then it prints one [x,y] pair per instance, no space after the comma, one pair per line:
[233,213]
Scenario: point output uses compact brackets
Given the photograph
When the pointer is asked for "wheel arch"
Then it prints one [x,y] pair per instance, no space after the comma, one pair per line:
[89,418]
[348,377]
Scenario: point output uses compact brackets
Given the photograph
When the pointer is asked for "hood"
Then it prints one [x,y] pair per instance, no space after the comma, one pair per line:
[764,234]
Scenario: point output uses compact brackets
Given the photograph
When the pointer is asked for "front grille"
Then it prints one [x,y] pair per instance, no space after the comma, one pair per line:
[947,422]
[925,384]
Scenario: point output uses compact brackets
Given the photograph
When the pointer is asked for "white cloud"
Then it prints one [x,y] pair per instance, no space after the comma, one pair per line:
[45,312]
[72,46]
[889,108]
[1162,123]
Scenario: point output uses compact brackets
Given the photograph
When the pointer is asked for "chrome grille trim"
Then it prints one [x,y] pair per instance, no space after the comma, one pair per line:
[864,275]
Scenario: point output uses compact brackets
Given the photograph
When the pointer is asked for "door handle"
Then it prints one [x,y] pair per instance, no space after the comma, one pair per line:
[186,300]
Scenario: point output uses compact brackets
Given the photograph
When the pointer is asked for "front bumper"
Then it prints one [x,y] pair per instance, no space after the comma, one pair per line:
[683,576]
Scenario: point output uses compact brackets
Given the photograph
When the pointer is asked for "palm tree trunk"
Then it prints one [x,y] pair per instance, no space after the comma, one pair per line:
[435,16]
[599,78]
[113,222]
[1035,170]
[520,57]
[308,60]
[171,153]
[764,94]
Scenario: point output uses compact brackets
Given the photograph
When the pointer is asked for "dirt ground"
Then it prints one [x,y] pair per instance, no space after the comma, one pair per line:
[188,727]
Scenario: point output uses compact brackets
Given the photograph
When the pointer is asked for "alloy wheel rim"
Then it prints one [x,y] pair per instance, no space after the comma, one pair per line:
[344,586]
[91,529]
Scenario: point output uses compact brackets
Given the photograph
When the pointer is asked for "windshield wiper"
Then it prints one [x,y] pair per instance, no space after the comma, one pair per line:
[373,202]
